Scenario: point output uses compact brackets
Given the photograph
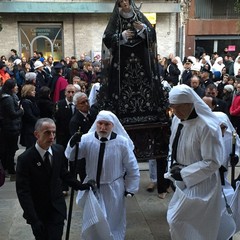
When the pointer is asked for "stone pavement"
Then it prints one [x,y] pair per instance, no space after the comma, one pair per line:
[146,215]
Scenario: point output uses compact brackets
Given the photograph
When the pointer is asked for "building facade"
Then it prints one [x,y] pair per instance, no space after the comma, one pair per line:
[212,25]
[70,28]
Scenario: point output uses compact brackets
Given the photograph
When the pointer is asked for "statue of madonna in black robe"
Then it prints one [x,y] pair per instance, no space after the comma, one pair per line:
[132,86]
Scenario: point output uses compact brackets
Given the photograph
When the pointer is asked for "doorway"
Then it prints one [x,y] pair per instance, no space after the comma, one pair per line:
[41,37]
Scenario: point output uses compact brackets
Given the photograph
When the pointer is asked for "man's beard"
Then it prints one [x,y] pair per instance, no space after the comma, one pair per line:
[103,134]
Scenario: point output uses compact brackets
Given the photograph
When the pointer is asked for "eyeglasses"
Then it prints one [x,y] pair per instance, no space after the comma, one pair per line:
[83,102]
[70,92]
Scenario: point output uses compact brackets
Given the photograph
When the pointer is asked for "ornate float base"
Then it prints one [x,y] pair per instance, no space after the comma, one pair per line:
[151,142]
[150,139]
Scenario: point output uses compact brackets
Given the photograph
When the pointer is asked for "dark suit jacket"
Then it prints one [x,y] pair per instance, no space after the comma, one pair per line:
[173,73]
[200,91]
[78,120]
[186,76]
[221,106]
[46,107]
[63,116]
[40,193]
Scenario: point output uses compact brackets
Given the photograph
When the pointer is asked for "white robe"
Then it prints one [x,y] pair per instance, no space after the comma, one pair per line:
[228,224]
[118,160]
[227,143]
[236,66]
[93,93]
[195,208]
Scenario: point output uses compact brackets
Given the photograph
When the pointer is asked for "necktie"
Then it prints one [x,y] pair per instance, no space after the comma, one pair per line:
[88,117]
[175,143]
[71,108]
[47,162]
[103,139]
[100,160]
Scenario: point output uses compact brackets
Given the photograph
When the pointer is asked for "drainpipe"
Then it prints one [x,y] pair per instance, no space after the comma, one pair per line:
[74,36]
[177,37]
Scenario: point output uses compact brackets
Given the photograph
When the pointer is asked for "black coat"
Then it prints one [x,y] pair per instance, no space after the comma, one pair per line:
[11,114]
[78,120]
[46,107]
[29,119]
[186,76]
[221,106]
[41,80]
[206,82]
[200,91]
[30,116]
[39,193]
[63,116]
[173,74]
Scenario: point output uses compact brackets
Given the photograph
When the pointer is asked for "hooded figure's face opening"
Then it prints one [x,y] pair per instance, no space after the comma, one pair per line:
[104,128]
[182,110]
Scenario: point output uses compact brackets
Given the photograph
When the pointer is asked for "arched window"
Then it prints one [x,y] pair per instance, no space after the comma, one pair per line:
[41,37]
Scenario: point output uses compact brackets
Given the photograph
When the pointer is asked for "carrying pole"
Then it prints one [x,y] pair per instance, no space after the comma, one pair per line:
[72,190]
[71,197]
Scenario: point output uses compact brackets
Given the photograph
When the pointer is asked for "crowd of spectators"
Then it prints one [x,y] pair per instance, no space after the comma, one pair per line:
[34,89]
[216,75]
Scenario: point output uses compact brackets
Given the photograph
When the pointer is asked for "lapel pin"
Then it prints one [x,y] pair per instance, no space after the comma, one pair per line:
[39,164]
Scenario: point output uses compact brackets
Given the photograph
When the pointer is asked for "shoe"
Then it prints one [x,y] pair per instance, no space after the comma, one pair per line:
[7,175]
[65,193]
[12,177]
[162,195]
[151,186]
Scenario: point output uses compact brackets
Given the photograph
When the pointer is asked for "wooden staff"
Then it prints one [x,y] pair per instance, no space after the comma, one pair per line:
[72,190]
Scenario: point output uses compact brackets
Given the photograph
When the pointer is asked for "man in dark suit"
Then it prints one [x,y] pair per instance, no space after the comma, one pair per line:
[173,73]
[40,170]
[84,116]
[205,78]
[64,112]
[196,86]
[221,106]
[82,120]
[187,73]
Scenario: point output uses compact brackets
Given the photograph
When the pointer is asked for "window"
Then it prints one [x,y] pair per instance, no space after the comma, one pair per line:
[41,37]
[215,9]
[217,44]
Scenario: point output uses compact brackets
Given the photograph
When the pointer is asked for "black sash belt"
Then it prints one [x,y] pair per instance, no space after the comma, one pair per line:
[101,155]
[175,143]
